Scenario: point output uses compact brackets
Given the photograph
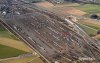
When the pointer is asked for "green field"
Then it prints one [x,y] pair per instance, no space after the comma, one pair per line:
[89,8]
[6,34]
[89,31]
[94,27]
[6,52]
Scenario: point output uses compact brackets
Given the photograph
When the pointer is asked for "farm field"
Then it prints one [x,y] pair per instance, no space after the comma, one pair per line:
[8,39]
[97,36]
[10,46]
[91,23]
[6,34]
[6,52]
[14,44]
[90,31]
[89,8]
[24,60]
[93,26]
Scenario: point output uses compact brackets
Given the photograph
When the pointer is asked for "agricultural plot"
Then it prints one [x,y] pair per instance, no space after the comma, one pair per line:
[91,23]
[24,60]
[6,52]
[14,44]
[89,8]
[90,31]
[6,34]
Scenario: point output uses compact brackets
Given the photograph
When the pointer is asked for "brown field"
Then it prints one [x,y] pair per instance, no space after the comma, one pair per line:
[44,4]
[62,9]
[15,44]
[97,36]
[73,11]
[67,4]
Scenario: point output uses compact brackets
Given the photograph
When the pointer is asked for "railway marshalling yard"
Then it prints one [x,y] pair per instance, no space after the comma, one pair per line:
[53,38]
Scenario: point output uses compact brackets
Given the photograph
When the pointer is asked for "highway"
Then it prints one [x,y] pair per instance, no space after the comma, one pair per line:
[53,39]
